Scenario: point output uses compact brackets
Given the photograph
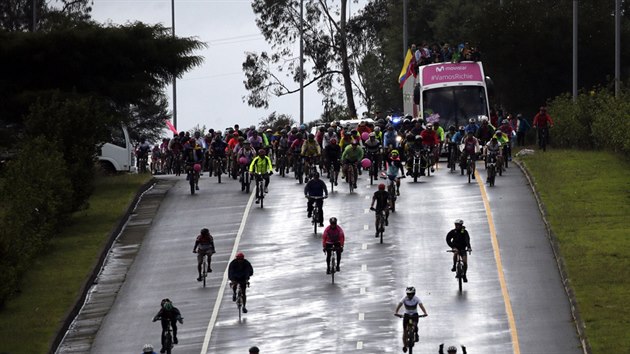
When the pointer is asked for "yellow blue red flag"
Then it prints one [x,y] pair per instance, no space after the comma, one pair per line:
[408,69]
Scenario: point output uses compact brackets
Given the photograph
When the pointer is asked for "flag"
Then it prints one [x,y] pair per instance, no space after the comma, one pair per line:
[408,69]
[170,126]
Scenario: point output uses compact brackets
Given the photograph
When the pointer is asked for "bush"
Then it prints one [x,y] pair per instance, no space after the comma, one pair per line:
[596,120]
[37,196]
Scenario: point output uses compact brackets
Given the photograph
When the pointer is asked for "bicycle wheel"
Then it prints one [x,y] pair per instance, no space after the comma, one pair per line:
[262,195]
[168,342]
[460,276]
[314,220]
[381,226]
[333,256]
[191,181]
[410,336]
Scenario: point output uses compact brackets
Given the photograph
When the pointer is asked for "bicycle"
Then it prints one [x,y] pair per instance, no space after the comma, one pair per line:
[315,214]
[333,262]
[459,269]
[453,156]
[168,337]
[218,167]
[310,166]
[298,169]
[543,132]
[204,268]
[193,179]
[373,167]
[240,299]
[410,330]
[260,189]
[469,166]
[426,160]
[245,179]
[332,175]
[491,167]
[415,167]
[351,175]
[380,222]
[391,189]
[281,162]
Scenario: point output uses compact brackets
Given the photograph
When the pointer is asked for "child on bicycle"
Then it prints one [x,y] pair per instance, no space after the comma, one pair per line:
[411,303]
[204,246]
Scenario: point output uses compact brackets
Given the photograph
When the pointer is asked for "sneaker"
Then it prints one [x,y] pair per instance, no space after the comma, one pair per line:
[465,279]
[453,269]
[266,190]
[162,350]
[209,270]
[472,175]
[197,187]
[257,201]
[432,170]
[404,349]
[310,214]
[321,224]
[355,186]
[234,297]
[417,338]
[199,278]
[336,184]
[328,271]
[337,269]
[244,309]
[376,234]
[397,193]
[175,341]
[386,222]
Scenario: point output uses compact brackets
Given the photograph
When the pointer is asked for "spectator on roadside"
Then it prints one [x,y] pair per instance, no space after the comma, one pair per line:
[522,126]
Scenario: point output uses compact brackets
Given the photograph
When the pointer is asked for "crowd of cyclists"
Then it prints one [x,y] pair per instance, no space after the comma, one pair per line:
[336,150]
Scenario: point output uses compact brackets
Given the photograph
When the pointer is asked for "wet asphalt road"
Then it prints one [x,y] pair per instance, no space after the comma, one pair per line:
[293,307]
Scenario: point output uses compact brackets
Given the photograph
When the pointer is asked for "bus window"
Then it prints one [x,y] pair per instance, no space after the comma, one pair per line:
[455,104]
[118,137]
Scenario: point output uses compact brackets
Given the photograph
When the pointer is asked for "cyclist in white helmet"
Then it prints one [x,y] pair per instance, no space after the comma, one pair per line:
[451,350]
[148,349]
[411,303]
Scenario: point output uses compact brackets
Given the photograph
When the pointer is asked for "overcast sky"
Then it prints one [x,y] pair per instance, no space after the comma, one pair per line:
[211,94]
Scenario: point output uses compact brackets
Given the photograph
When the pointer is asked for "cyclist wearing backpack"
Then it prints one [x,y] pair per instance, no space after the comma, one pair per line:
[168,314]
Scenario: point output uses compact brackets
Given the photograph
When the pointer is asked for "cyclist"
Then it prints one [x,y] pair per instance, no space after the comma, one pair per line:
[373,150]
[333,236]
[351,156]
[239,272]
[430,140]
[204,246]
[381,197]
[459,135]
[245,154]
[493,149]
[310,151]
[148,349]
[542,122]
[451,350]
[295,150]
[471,126]
[508,131]
[414,144]
[470,148]
[485,132]
[346,139]
[255,139]
[282,147]
[411,303]
[316,188]
[332,154]
[394,168]
[168,314]
[389,137]
[261,167]
[217,149]
[330,134]
[459,241]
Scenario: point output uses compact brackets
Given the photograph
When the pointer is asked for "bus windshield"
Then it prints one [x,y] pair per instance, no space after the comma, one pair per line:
[454,104]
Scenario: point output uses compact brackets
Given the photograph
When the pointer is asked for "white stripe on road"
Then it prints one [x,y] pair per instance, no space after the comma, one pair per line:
[366,227]
[217,303]
[359,345]
[364,267]
[361,316]
[364,246]
[366,211]
[362,291]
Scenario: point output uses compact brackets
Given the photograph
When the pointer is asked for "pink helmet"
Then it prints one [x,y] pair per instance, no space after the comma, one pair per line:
[197,167]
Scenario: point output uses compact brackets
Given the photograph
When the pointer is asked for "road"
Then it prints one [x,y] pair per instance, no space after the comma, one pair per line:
[293,307]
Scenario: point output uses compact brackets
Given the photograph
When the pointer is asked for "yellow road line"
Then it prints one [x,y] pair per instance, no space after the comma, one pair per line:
[497,257]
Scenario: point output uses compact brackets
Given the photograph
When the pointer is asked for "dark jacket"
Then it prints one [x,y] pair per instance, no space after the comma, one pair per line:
[315,188]
[458,239]
[240,270]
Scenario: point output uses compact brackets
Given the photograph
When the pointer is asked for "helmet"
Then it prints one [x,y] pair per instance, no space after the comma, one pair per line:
[459,221]
[333,221]
[333,141]
[410,290]
[355,142]
[418,138]
[451,349]
[302,127]
[451,128]
[430,125]
[504,121]
[471,120]
[205,231]
[240,255]
[167,304]
[299,136]
[461,127]
[346,132]
[372,135]
[381,187]
[148,348]
[254,350]
[315,174]
[311,136]
[246,142]
[331,130]
[395,152]
[377,129]
[262,152]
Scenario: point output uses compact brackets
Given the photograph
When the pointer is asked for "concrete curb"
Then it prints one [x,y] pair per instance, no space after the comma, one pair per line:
[85,293]
[553,240]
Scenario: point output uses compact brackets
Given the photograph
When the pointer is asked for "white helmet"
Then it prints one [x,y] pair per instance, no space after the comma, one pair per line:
[459,221]
[148,348]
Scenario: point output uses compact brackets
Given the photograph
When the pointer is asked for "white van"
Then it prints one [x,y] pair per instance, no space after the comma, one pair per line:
[117,155]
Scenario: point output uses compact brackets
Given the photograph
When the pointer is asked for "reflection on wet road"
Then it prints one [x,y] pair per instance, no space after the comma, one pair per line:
[293,307]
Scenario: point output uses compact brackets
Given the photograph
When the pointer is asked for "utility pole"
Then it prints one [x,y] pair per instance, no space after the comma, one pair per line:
[575,49]
[405,39]
[617,46]
[174,73]
[301,62]
[34,27]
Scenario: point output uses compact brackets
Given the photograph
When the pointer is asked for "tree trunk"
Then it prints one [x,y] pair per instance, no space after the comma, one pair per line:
[345,67]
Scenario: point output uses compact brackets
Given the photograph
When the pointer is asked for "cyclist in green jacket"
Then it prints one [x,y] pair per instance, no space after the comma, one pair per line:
[261,166]
[351,156]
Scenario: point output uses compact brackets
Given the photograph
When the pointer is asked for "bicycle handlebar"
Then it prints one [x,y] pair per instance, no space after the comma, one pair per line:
[315,197]
[469,251]
[401,316]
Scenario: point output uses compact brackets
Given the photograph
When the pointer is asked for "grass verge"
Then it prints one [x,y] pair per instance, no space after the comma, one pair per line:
[587,198]
[29,321]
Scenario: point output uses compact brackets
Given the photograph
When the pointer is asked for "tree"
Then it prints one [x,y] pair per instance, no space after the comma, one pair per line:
[125,66]
[17,15]
[325,45]
[276,121]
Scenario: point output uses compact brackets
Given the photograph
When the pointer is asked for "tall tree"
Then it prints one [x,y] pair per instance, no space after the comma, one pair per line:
[325,46]
[17,15]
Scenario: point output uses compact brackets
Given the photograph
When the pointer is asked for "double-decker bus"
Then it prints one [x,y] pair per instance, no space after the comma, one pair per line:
[450,93]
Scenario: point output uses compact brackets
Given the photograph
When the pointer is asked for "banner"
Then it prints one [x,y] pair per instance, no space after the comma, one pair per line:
[170,126]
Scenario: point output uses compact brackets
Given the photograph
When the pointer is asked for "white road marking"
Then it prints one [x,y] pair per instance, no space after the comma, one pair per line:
[361,316]
[364,246]
[364,267]
[359,345]
[217,303]
[362,291]
[366,227]
[366,211]
[367,197]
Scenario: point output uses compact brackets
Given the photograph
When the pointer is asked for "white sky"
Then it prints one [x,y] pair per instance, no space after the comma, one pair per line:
[211,94]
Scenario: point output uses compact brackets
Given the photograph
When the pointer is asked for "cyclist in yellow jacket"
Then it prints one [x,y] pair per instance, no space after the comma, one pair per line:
[261,167]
